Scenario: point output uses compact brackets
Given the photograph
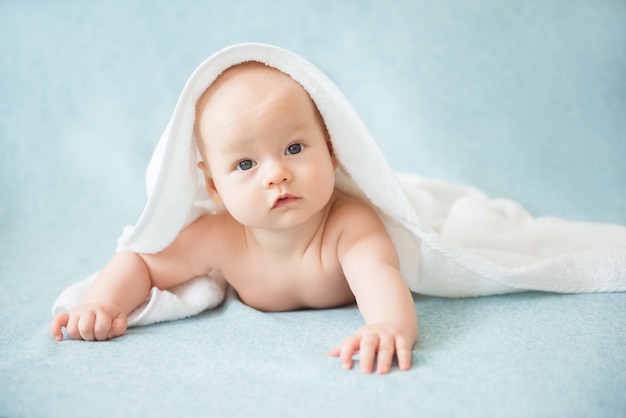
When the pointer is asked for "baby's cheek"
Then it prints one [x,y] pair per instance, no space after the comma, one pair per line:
[246,206]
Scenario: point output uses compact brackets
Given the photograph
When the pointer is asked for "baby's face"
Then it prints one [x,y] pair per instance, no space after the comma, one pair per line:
[265,148]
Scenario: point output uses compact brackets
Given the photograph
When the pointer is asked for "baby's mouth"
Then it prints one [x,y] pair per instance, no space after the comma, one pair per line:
[284,200]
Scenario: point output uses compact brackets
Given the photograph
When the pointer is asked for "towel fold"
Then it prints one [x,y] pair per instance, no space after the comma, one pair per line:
[453,241]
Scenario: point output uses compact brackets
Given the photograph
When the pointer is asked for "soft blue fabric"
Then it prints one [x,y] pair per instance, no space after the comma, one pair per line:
[524,100]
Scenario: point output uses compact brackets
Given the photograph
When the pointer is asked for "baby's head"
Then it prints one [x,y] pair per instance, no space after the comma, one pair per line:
[262,138]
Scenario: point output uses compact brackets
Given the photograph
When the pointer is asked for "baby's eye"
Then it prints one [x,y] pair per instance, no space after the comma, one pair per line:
[294,149]
[244,165]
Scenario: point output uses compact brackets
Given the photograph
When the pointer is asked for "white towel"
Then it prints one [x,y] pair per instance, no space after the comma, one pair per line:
[452,240]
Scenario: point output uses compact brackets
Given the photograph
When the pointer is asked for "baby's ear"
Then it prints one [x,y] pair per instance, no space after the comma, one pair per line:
[210,185]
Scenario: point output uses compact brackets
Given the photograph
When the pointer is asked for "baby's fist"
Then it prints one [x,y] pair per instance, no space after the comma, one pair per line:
[91,322]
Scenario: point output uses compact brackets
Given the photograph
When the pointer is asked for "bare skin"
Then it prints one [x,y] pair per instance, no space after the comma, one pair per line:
[286,240]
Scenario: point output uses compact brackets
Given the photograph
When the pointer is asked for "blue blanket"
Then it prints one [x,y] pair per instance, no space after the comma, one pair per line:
[524,101]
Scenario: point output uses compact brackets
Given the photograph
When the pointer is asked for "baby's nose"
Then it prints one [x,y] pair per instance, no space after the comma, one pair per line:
[277,173]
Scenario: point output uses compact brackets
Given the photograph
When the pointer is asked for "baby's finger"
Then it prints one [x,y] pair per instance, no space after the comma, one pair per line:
[386,350]
[85,326]
[58,322]
[334,352]
[367,352]
[101,327]
[118,327]
[403,353]
[72,327]
[349,347]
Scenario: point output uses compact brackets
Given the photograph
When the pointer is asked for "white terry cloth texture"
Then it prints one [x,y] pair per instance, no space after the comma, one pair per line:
[453,241]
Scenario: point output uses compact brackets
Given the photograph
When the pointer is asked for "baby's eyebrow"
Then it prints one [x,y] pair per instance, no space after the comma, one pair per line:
[237,146]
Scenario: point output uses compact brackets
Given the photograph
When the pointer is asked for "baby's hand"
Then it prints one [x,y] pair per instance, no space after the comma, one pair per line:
[376,342]
[90,322]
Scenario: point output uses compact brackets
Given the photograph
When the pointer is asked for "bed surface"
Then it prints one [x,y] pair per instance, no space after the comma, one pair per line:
[523,100]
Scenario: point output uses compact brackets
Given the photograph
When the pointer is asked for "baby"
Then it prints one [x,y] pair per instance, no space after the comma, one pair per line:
[287,239]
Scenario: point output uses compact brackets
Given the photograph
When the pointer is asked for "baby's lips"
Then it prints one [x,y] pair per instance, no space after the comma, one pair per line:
[284,200]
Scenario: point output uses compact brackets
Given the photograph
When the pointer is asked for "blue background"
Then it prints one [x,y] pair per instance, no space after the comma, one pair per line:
[525,100]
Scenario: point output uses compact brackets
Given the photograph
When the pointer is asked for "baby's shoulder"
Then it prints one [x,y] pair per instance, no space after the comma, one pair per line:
[211,226]
[351,210]
[353,220]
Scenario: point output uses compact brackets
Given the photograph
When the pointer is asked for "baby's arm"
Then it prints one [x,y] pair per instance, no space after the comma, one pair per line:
[121,286]
[125,282]
[370,264]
